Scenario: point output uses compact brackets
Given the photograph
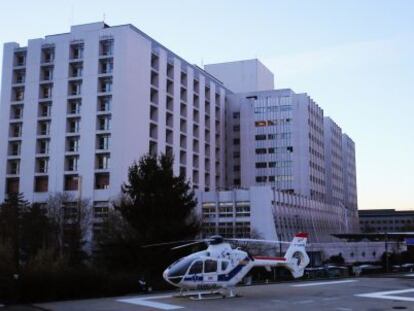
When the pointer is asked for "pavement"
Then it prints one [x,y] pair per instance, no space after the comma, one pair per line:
[352,294]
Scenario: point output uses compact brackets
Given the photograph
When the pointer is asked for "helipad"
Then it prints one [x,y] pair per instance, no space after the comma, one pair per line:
[396,293]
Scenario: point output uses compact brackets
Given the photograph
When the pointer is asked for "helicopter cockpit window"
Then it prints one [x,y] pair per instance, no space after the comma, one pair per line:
[224,265]
[196,268]
[180,268]
[210,266]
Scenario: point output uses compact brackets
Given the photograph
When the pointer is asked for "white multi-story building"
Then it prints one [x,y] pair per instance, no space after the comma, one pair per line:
[334,162]
[78,108]
[276,138]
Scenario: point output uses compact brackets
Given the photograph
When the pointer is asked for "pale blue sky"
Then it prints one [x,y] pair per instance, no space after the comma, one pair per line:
[355,58]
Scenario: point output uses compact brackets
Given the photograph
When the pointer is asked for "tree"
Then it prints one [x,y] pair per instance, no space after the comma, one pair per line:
[70,220]
[155,206]
[11,225]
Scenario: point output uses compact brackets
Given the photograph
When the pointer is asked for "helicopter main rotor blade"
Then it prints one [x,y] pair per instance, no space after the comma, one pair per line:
[168,243]
[188,244]
[258,241]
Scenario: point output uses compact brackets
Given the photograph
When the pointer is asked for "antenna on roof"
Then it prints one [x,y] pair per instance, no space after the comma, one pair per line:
[202,62]
[72,15]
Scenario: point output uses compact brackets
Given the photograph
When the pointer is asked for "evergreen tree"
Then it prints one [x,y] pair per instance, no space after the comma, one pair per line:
[155,206]
[11,224]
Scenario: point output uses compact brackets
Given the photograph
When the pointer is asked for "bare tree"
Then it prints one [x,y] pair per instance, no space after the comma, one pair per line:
[71,220]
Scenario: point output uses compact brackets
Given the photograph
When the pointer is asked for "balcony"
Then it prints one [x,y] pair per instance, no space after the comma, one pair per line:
[106,47]
[76,52]
[105,85]
[101,181]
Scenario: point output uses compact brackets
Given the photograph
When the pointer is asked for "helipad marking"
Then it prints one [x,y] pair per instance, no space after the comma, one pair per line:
[145,301]
[391,295]
[323,283]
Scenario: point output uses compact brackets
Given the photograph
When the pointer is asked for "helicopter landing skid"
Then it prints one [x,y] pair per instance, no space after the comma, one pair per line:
[207,295]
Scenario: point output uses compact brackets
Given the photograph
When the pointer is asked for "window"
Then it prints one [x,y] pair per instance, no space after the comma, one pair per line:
[260,150]
[16,112]
[14,148]
[261,178]
[42,146]
[242,209]
[43,128]
[236,115]
[224,265]
[20,59]
[46,74]
[236,141]
[75,70]
[74,106]
[73,125]
[104,103]
[260,123]
[72,144]
[42,165]
[71,182]
[101,180]
[196,268]
[76,51]
[75,88]
[13,167]
[18,94]
[104,123]
[106,66]
[260,137]
[48,54]
[41,183]
[72,163]
[236,154]
[46,91]
[100,209]
[45,109]
[102,161]
[15,130]
[19,76]
[236,128]
[236,168]
[261,164]
[210,266]
[105,85]
[106,47]
[102,142]
[12,185]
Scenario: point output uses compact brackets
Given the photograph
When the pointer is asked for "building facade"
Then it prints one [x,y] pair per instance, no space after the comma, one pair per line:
[276,138]
[386,220]
[78,108]
[267,213]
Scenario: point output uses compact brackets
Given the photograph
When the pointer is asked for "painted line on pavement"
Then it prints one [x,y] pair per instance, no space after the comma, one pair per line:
[411,274]
[391,295]
[323,283]
[145,301]
[343,309]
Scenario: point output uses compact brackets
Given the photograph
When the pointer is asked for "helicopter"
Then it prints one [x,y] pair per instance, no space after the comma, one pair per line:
[221,267]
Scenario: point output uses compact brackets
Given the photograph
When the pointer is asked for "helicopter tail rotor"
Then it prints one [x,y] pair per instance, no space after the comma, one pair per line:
[296,257]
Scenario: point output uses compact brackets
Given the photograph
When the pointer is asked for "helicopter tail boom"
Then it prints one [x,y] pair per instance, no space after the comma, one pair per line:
[295,260]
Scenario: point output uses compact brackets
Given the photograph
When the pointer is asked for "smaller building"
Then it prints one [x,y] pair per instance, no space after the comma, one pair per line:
[386,220]
[268,213]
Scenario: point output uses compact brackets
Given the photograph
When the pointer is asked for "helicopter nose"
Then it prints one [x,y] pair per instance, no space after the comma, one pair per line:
[165,275]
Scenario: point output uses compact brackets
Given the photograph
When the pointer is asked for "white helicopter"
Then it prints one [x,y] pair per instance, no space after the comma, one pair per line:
[221,267]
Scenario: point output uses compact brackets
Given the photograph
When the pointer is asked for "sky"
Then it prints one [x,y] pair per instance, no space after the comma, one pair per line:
[354,58]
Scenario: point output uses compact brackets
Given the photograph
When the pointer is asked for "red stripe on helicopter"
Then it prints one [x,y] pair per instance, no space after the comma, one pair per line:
[270,258]
[301,235]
